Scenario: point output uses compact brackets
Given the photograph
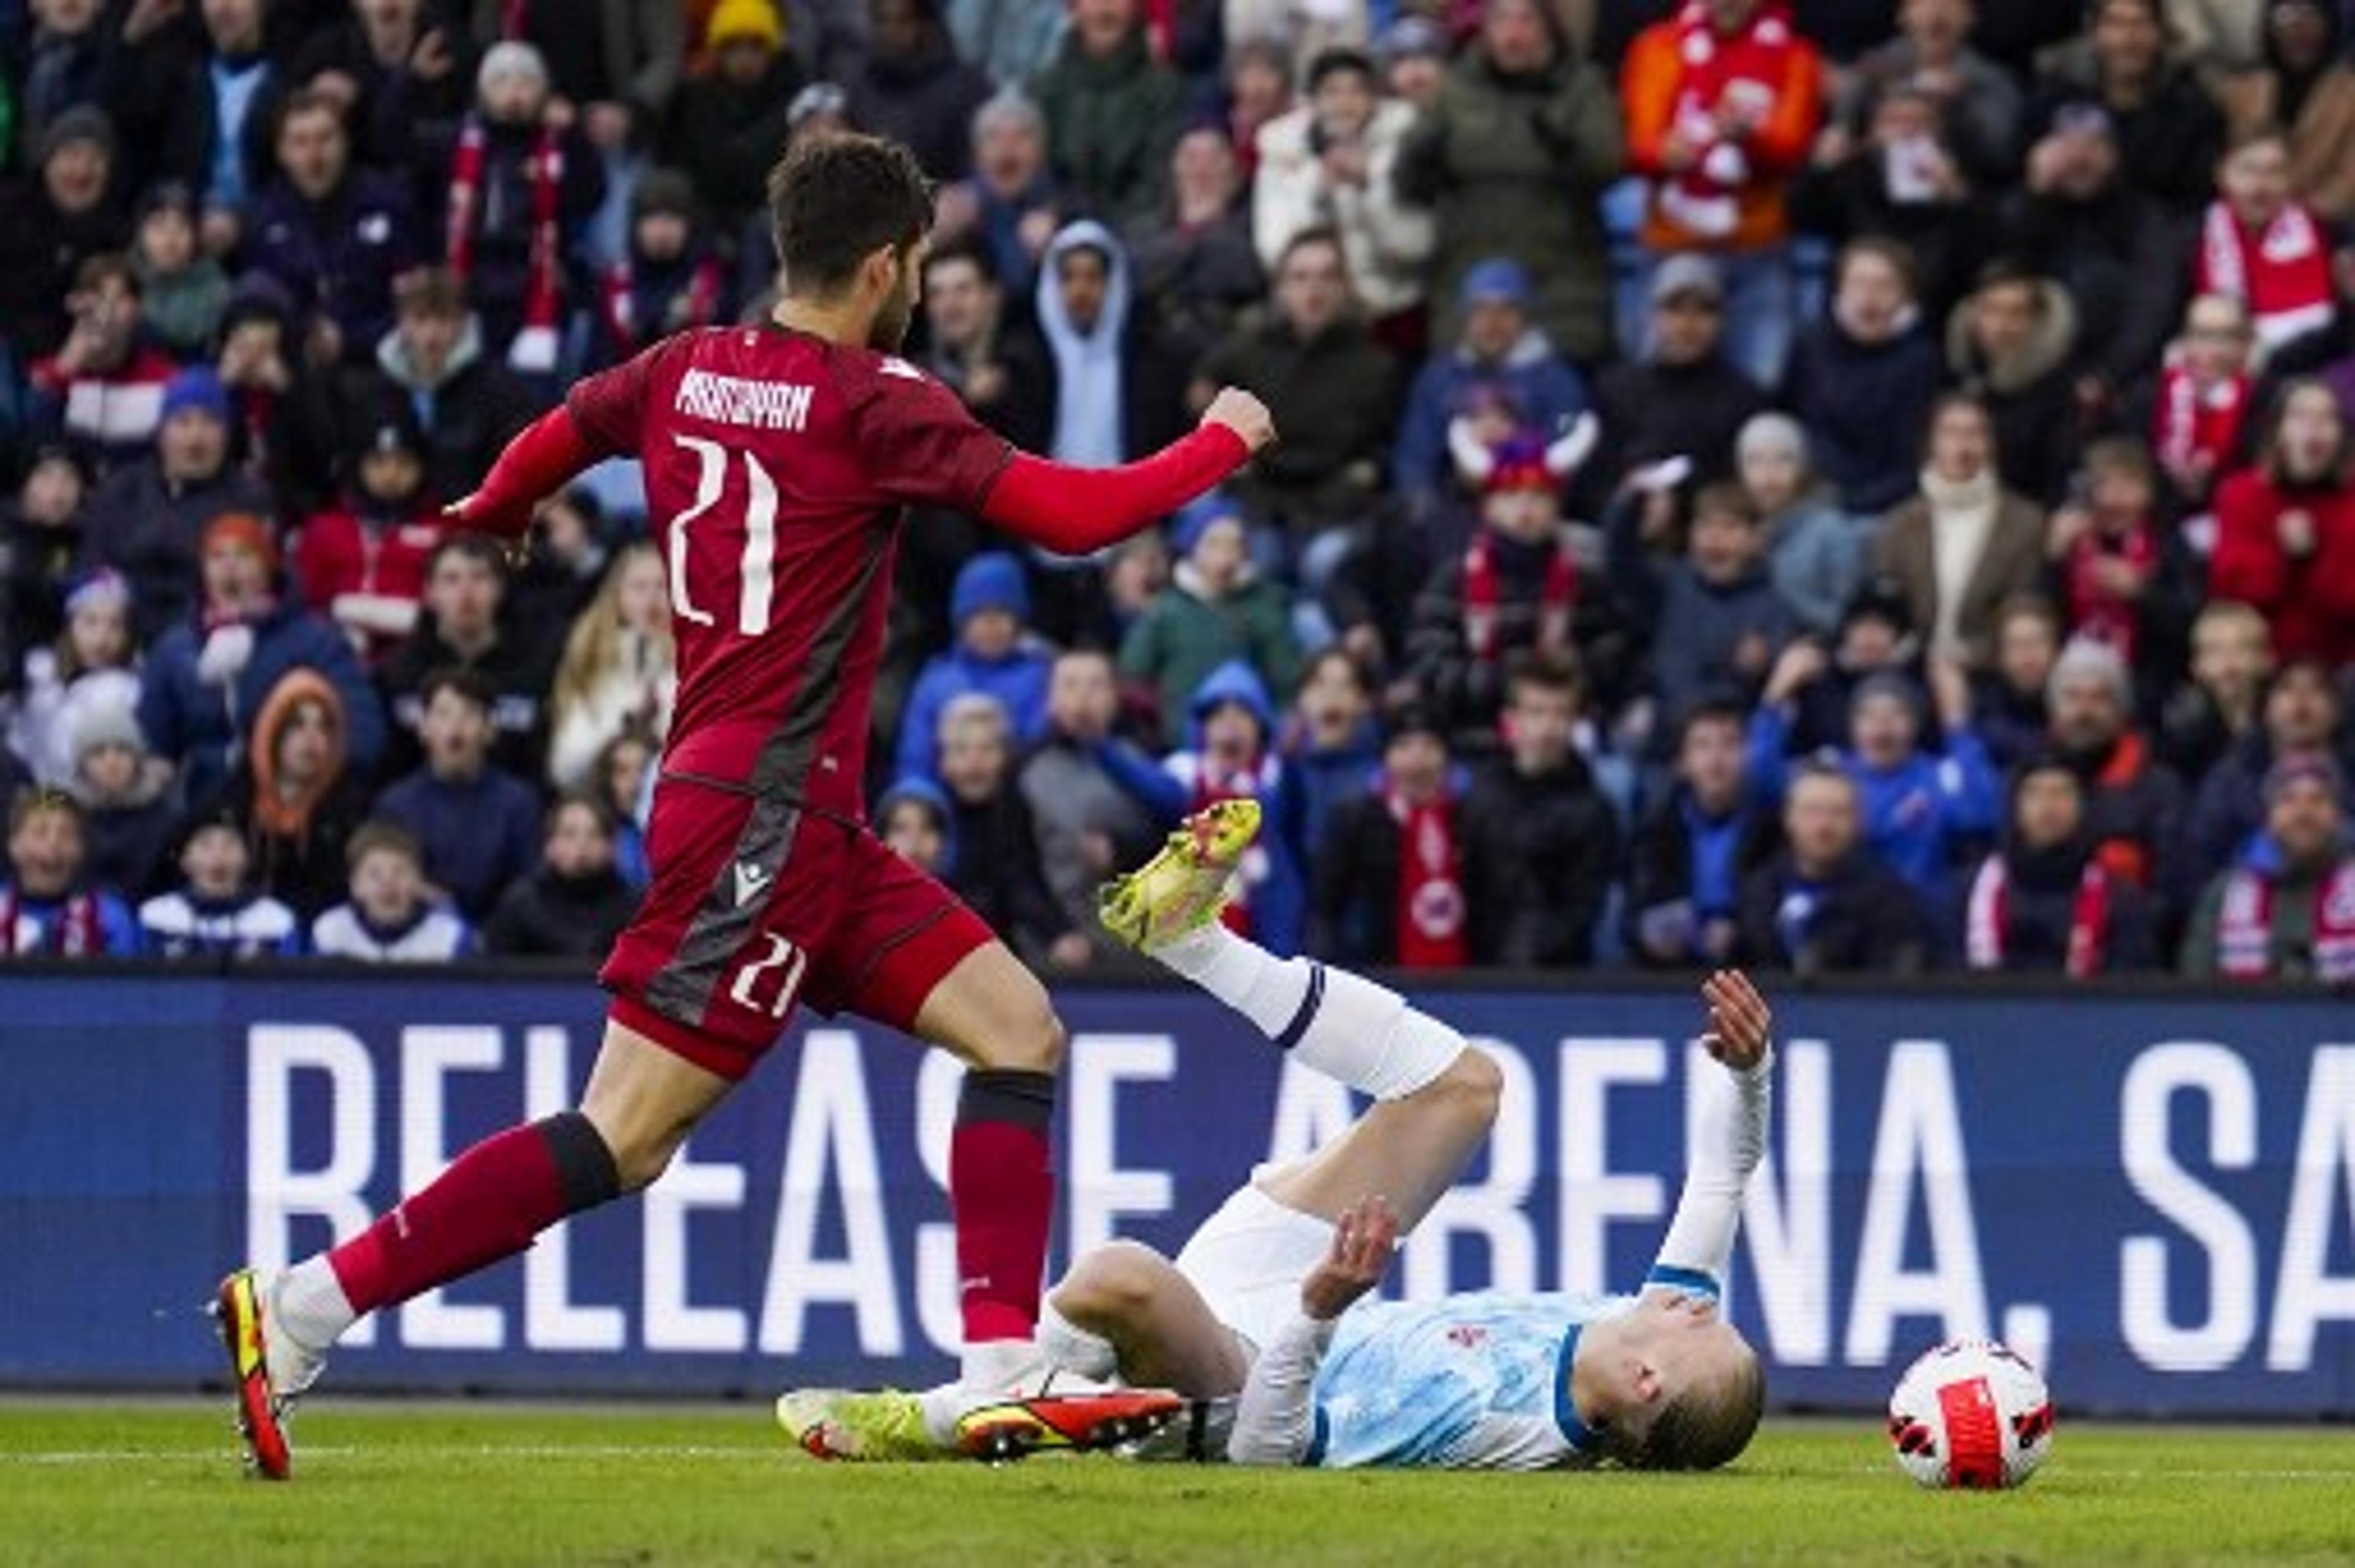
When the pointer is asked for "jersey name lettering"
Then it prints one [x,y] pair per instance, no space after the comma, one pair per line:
[756,405]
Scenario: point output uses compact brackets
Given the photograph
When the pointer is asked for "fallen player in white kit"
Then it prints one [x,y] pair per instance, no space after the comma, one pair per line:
[1261,1318]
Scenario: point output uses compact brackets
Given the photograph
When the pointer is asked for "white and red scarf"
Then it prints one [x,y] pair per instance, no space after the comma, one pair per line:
[1430,912]
[1484,596]
[533,351]
[2191,421]
[1987,920]
[2282,275]
[2095,613]
[74,931]
[2244,929]
[1746,69]
[698,305]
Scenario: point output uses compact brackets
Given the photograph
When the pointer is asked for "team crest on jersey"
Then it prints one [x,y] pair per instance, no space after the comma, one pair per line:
[893,365]
[1467,1335]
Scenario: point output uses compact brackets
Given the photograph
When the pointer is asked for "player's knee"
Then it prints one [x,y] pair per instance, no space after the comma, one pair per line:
[1471,1088]
[640,1160]
[1112,1284]
[1027,1036]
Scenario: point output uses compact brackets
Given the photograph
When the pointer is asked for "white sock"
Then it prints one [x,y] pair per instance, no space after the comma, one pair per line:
[997,1364]
[1066,1344]
[1343,1025]
[311,1306]
[1265,988]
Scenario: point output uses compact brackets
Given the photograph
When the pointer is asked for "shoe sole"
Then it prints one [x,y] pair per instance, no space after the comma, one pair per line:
[237,1308]
[1002,1434]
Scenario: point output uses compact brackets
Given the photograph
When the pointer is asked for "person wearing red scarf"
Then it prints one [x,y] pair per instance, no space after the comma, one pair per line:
[2287,911]
[2043,904]
[2123,573]
[2203,396]
[2260,247]
[1389,883]
[45,908]
[522,180]
[670,281]
[1722,103]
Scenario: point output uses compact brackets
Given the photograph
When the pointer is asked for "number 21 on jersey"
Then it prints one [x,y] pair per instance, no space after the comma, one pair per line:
[756,572]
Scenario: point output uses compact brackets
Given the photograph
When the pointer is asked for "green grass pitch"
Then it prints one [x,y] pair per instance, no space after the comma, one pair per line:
[132,1483]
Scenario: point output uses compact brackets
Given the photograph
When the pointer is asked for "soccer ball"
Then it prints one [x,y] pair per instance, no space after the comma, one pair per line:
[1971,1413]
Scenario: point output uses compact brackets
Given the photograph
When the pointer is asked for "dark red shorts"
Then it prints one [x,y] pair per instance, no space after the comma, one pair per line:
[757,906]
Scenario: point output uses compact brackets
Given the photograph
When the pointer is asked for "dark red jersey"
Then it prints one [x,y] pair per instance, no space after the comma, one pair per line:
[777,465]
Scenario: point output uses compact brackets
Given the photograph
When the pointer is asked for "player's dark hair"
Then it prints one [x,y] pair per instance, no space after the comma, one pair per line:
[465,683]
[1703,1427]
[836,201]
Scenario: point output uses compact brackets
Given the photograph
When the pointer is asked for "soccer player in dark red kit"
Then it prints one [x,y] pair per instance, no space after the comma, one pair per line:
[778,459]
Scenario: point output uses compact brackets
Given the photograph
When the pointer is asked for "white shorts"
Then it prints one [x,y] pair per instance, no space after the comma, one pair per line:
[1248,1261]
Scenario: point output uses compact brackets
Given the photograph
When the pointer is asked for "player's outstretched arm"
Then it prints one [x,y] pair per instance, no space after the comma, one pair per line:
[540,461]
[1731,1137]
[1275,1416]
[1075,510]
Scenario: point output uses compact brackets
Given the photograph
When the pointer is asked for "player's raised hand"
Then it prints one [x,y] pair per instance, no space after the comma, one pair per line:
[1363,1239]
[1243,414]
[1740,1026]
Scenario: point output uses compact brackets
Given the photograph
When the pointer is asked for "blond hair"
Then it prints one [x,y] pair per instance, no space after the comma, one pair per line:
[592,649]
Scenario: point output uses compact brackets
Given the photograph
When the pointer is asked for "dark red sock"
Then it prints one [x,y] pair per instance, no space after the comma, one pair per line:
[488,1205]
[1002,1193]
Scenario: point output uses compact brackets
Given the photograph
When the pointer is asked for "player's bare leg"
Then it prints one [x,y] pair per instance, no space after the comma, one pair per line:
[1159,1327]
[489,1204]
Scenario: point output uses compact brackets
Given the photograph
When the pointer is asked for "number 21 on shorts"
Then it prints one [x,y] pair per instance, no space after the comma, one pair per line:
[777,972]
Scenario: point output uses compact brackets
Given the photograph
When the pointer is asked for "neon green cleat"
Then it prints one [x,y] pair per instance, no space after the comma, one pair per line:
[881,1428]
[1184,887]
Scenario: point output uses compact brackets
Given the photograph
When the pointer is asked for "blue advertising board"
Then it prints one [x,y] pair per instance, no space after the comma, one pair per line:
[2154,1196]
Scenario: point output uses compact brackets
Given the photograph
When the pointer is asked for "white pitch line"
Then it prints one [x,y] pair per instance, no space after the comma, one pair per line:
[426,1451]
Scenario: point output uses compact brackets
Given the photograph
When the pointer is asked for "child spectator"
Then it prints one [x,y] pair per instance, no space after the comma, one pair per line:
[93,665]
[912,817]
[993,655]
[390,916]
[293,794]
[215,911]
[364,565]
[2042,904]
[1331,746]
[1540,844]
[619,671]
[520,187]
[576,902]
[2285,529]
[2206,717]
[621,781]
[1863,380]
[1814,549]
[2203,396]
[41,531]
[108,389]
[1389,885]
[477,828]
[128,819]
[995,868]
[2287,911]
[2261,246]
[2125,578]
[1696,846]
[1217,608]
[48,908]
[671,280]
[183,291]
[2008,702]
[1824,906]
[1515,588]
[1229,754]
[1817,683]
[1716,620]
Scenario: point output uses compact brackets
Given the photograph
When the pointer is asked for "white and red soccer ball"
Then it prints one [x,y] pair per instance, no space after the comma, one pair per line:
[1971,1413]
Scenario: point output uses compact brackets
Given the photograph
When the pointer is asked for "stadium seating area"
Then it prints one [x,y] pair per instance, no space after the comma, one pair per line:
[1859,487]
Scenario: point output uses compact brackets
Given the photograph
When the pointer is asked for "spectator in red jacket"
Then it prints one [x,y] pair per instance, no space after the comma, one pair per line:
[102,391]
[363,564]
[2286,530]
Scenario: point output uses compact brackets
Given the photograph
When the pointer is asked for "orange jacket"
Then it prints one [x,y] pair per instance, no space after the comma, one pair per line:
[1648,84]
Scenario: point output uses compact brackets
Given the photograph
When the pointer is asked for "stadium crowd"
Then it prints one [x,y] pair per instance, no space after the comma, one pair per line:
[1857,487]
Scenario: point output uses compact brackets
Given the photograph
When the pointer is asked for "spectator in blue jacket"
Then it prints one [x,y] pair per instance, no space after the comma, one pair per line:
[1716,621]
[994,655]
[1230,753]
[1503,374]
[216,911]
[47,907]
[477,826]
[1921,811]
[1814,551]
[1695,845]
[208,676]
[1332,747]
[334,236]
